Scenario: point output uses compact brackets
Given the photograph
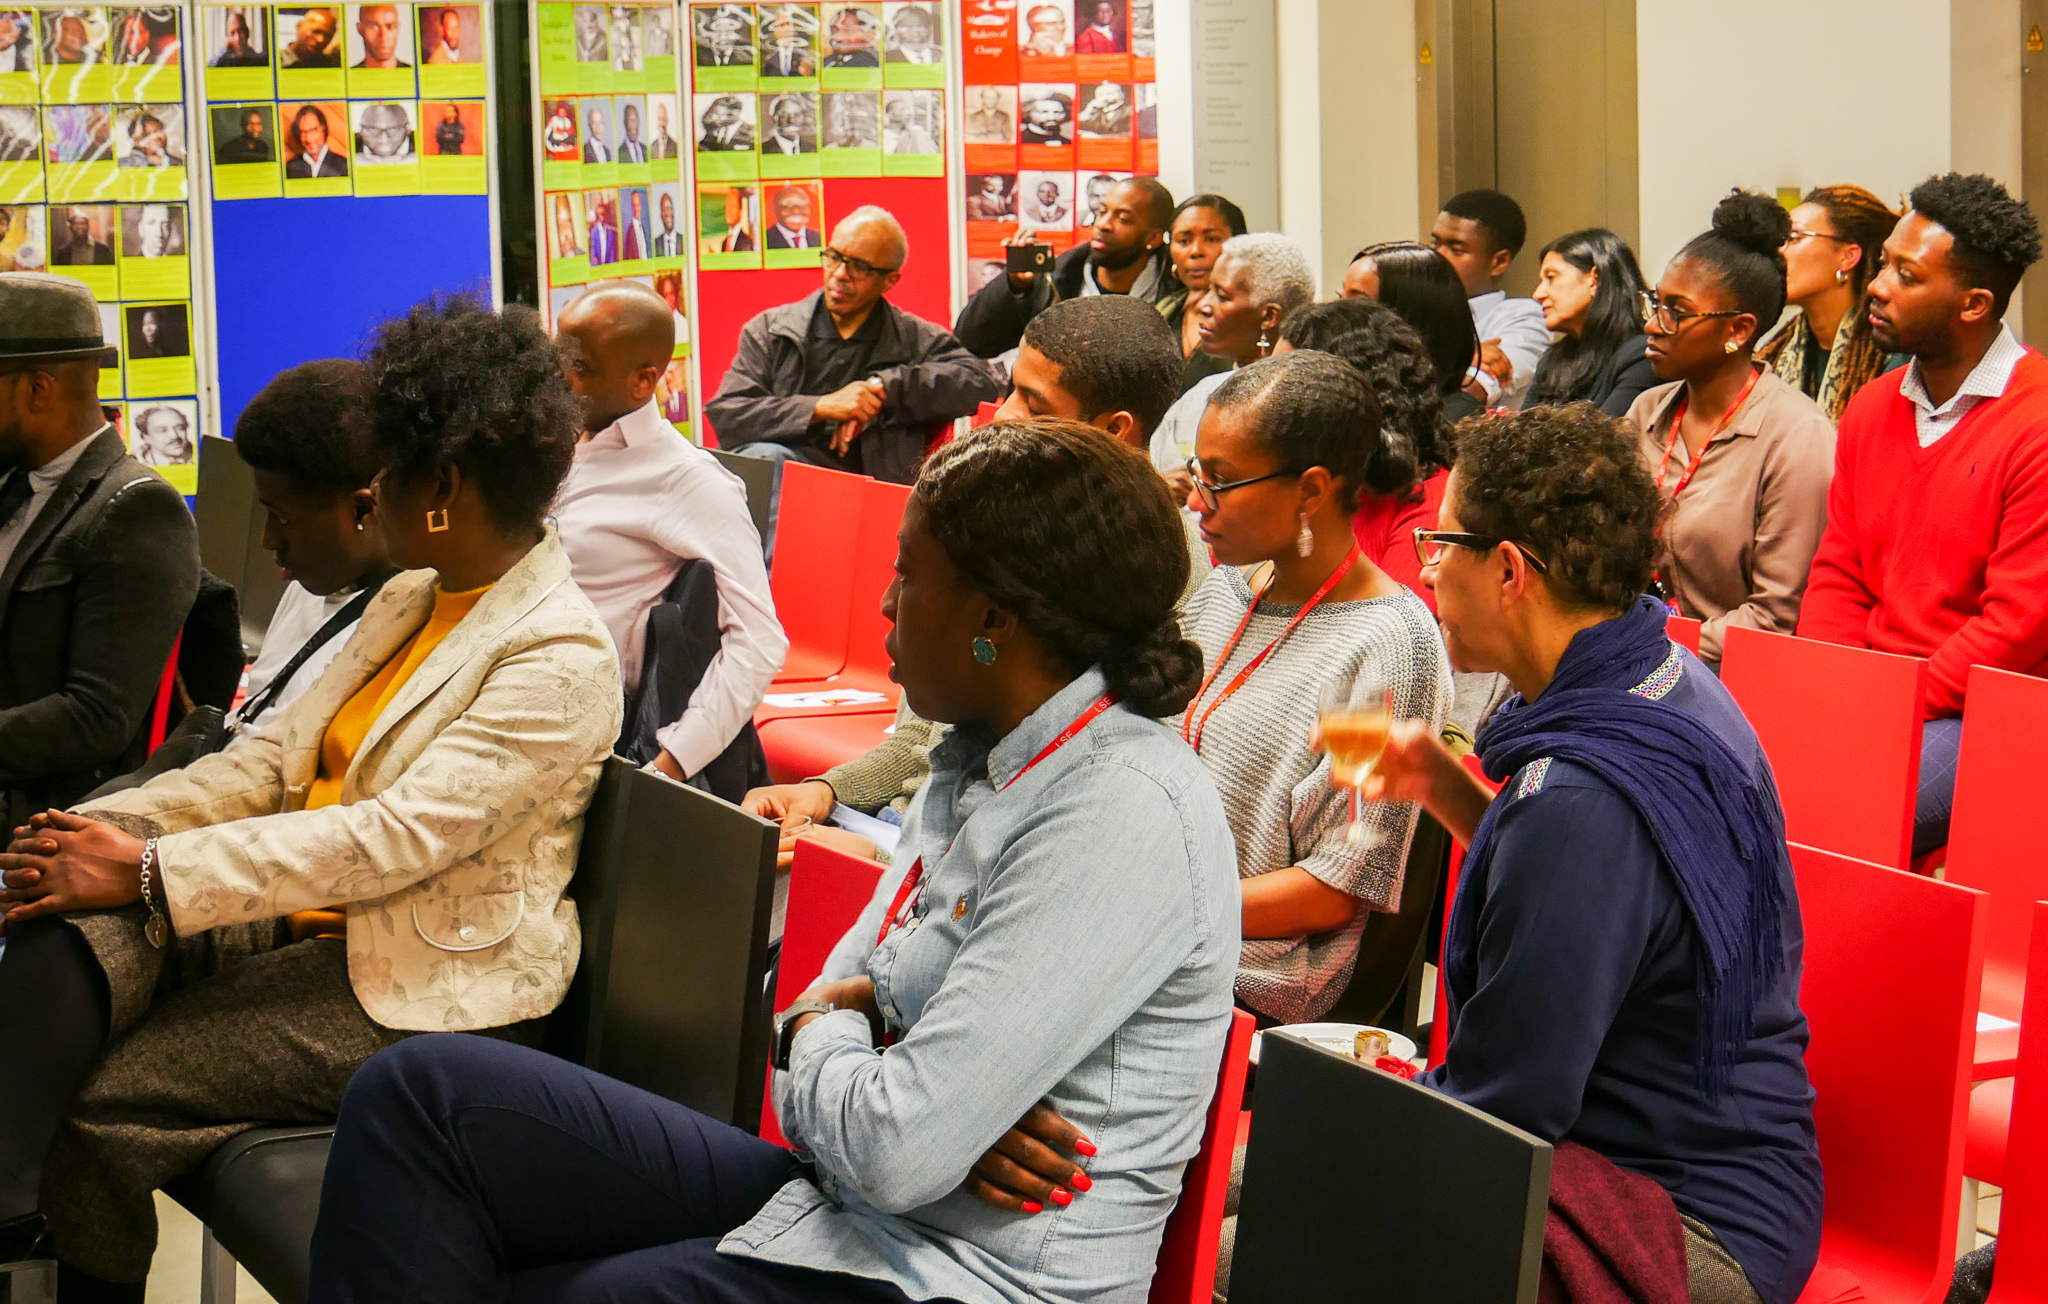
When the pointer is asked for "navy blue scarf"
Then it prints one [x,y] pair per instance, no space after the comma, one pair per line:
[1717,825]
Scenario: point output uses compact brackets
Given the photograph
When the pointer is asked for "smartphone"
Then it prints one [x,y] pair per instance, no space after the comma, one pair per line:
[1022,258]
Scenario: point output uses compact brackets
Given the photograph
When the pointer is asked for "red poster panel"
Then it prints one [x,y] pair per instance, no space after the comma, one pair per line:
[988,41]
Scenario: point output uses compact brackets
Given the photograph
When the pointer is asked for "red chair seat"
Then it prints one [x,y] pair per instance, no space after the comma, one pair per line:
[801,746]
[1990,1118]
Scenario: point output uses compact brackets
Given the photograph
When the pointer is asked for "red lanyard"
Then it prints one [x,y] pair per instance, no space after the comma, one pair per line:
[915,877]
[1677,416]
[1190,727]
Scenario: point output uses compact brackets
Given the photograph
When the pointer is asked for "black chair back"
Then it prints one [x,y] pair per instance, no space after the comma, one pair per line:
[1385,989]
[1358,1184]
[674,888]
[231,535]
[758,475]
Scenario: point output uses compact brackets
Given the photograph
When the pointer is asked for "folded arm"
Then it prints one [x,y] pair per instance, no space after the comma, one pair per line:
[747,410]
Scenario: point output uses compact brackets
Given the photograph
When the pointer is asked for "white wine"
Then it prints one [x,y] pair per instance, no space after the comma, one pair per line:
[1354,739]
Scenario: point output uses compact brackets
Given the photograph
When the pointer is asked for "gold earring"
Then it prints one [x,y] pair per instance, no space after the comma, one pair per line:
[437,526]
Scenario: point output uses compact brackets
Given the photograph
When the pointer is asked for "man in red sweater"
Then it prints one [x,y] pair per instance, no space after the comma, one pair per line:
[1937,536]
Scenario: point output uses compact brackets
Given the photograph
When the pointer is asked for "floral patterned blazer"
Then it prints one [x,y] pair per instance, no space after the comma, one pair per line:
[460,815]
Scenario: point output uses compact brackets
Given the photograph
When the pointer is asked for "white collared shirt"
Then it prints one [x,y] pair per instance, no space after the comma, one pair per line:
[298,617]
[639,500]
[1987,379]
[1518,325]
[42,482]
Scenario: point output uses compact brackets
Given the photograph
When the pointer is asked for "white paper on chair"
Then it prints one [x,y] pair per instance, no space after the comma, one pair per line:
[825,697]
[880,832]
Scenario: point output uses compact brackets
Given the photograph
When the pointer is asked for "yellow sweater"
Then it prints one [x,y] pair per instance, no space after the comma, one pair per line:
[351,724]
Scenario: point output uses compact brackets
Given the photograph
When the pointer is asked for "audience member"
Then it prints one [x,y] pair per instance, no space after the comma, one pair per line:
[99,564]
[1404,486]
[1125,253]
[1937,534]
[639,501]
[1286,448]
[1107,361]
[1068,891]
[842,377]
[1835,248]
[1201,226]
[306,439]
[1742,458]
[1591,293]
[431,785]
[1480,232]
[1421,285]
[1257,280]
[1622,960]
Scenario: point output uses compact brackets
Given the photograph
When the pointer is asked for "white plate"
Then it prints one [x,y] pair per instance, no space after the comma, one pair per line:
[1338,1037]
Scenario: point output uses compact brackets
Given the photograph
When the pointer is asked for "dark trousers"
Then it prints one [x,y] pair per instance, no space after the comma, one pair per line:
[466,1169]
[1940,743]
[55,1001]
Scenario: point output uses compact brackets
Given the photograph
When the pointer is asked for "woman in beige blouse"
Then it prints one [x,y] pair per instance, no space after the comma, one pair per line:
[1743,458]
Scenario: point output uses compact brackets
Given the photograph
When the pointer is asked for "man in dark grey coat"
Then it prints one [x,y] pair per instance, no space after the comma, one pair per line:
[99,559]
[843,378]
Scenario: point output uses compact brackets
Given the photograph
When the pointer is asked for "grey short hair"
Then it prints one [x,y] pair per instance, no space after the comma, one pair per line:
[1280,271]
[876,213]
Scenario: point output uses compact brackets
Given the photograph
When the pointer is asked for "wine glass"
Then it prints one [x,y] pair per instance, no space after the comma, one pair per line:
[1353,717]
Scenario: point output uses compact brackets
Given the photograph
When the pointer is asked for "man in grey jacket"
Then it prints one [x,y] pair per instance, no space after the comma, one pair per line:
[99,559]
[843,378]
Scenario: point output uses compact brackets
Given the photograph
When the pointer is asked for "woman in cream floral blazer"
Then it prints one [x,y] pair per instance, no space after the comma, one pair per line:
[416,814]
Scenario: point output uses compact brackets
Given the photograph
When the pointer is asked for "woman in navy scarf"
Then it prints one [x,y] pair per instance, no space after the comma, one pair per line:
[1622,959]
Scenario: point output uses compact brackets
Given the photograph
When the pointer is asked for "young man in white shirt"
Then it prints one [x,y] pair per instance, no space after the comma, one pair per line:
[641,500]
[1479,232]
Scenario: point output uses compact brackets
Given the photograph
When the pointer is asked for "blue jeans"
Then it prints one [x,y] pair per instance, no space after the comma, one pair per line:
[465,1168]
[1940,742]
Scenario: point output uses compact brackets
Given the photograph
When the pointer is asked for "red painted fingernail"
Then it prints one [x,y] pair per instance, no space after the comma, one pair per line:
[1085,1147]
[1062,1197]
[1079,1181]
[1033,1206]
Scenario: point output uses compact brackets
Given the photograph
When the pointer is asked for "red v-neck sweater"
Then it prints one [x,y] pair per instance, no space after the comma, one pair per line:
[1939,552]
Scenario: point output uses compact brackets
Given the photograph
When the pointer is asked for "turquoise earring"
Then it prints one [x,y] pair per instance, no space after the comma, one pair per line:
[984,651]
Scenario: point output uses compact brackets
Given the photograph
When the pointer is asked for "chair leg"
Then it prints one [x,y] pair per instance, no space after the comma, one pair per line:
[1966,1225]
[30,1282]
[216,1270]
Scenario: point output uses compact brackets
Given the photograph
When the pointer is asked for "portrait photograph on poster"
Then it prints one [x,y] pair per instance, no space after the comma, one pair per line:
[147,47]
[162,431]
[594,114]
[623,39]
[159,330]
[1094,201]
[316,147]
[1046,201]
[725,122]
[992,197]
[789,41]
[1143,44]
[913,42]
[789,126]
[601,227]
[593,44]
[1045,40]
[85,235]
[153,257]
[661,130]
[1102,28]
[17,41]
[672,391]
[565,225]
[1047,114]
[853,39]
[851,120]
[311,38]
[630,112]
[24,245]
[20,140]
[451,35]
[384,134]
[453,159]
[914,122]
[658,31]
[1105,111]
[149,135]
[728,216]
[991,117]
[243,134]
[722,46]
[797,207]
[634,239]
[382,37]
[79,133]
[669,240]
[236,43]
[75,36]
[559,139]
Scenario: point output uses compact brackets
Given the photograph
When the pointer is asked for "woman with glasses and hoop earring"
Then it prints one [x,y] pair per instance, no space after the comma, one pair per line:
[1835,248]
[1742,458]
[1285,449]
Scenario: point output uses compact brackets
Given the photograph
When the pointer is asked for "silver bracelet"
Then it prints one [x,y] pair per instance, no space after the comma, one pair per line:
[158,929]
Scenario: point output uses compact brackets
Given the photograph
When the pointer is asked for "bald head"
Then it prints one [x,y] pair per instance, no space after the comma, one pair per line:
[616,340]
[864,260]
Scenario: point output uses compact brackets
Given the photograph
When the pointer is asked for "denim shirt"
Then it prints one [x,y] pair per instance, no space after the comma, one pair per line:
[1075,941]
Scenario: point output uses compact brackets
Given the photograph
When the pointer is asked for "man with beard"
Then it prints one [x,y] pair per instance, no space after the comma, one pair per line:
[1125,254]
[1937,534]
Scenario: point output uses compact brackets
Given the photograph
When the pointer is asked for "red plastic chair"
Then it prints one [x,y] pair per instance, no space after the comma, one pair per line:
[2009,1146]
[801,746]
[827,891]
[166,689]
[1187,1252]
[1892,967]
[812,579]
[865,665]
[1842,728]
[1684,631]
[2002,770]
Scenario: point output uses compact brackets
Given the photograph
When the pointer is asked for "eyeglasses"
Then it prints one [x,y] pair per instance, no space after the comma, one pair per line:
[1798,235]
[1670,319]
[1209,491]
[859,269]
[1430,544]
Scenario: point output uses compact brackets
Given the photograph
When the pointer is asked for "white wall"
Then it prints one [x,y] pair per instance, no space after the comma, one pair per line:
[1787,93]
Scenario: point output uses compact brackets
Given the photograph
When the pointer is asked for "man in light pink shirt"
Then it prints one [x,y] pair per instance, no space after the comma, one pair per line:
[640,501]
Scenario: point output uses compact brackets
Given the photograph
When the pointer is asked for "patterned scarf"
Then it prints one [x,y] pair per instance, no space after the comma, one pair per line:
[1854,362]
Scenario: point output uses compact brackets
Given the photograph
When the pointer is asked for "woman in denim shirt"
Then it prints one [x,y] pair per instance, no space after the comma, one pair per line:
[1066,932]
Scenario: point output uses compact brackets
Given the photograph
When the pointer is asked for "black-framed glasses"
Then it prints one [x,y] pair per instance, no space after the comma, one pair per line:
[1209,491]
[1430,545]
[858,268]
[1670,319]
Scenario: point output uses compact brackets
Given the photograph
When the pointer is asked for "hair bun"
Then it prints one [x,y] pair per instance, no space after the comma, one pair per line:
[1756,222]
[1157,675]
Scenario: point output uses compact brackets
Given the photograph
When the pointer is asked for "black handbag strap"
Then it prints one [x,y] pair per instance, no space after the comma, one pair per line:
[337,622]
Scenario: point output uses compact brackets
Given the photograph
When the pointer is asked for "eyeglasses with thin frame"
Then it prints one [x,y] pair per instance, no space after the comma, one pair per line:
[1209,491]
[858,268]
[1672,320]
[1430,544]
[1798,235]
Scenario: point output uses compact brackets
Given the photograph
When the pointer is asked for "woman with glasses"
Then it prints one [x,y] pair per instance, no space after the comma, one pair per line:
[1591,292]
[1622,959]
[1743,458]
[1285,451]
[1836,246]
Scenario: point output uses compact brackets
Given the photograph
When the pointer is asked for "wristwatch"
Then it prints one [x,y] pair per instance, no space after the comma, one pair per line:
[785,1028]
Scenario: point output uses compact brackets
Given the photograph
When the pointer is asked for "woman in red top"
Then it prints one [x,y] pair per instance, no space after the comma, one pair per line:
[1405,481]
